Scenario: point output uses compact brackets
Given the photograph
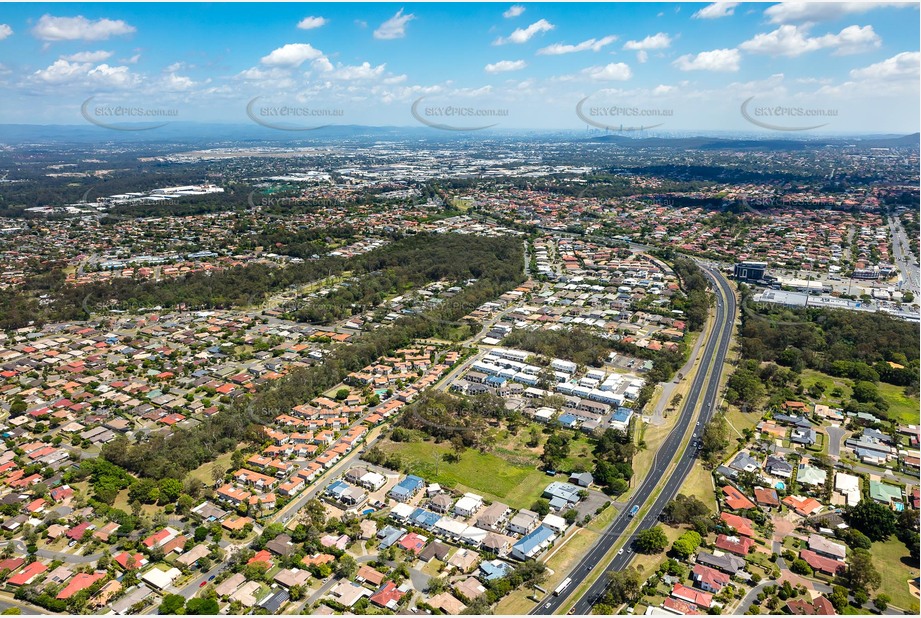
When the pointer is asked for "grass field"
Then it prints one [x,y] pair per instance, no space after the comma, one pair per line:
[487,474]
[203,472]
[648,563]
[901,406]
[891,560]
[740,421]
[699,483]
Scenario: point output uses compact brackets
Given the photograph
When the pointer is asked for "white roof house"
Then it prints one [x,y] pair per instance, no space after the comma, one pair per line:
[468,505]
[848,486]
[161,579]
[555,522]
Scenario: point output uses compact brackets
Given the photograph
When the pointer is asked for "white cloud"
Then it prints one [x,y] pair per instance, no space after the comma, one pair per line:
[132,60]
[89,56]
[523,35]
[901,66]
[616,71]
[792,41]
[112,76]
[361,71]
[61,71]
[505,65]
[174,83]
[291,55]
[800,12]
[513,11]
[5,31]
[309,23]
[655,41]
[64,72]
[593,44]
[722,60]
[716,10]
[642,56]
[395,27]
[50,28]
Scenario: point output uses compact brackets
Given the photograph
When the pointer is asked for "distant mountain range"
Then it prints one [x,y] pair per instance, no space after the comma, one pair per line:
[193,132]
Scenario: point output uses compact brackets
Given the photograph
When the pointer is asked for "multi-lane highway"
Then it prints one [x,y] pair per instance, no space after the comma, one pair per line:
[904,258]
[704,391]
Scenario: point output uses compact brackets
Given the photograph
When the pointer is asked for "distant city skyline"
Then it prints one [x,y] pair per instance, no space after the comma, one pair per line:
[789,69]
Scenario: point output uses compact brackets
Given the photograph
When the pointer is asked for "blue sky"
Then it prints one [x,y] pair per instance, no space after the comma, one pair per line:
[681,66]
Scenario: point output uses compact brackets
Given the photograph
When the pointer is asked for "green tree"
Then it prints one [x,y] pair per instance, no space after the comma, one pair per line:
[169,490]
[541,507]
[801,567]
[172,604]
[684,509]
[875,520]
[651,541]
[346,567]
[881,602]
[839,598]
[623,587]
[861,573]
[202,607]
[686,544]
[715,438]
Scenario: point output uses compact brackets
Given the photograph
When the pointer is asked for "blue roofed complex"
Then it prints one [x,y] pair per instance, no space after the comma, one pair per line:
[407,488]
[533,543]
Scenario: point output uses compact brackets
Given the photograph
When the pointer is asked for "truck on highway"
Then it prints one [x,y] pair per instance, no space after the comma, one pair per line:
[634,510]
[562,586]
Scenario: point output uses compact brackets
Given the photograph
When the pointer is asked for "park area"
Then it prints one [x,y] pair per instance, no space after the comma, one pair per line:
[509,472]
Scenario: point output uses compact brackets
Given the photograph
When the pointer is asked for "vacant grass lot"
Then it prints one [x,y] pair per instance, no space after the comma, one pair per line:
[487,474]
[699,483]
[892,561]
[902,407]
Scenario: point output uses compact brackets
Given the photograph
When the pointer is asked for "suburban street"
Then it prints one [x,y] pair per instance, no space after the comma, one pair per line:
[704,389]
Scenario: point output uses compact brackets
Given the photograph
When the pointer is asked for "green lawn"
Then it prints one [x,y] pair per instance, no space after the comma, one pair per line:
[811,376]
[699,483]
[888,559]
[901,406]
[487,474]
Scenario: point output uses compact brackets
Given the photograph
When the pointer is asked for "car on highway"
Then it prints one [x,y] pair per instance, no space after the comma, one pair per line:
[620,551]
[202,585]
[212,577]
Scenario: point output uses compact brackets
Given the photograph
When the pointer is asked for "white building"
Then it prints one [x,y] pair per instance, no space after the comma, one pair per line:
[161,579]
[468,505]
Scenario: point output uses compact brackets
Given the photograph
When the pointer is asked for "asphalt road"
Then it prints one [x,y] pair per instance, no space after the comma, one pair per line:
[704,389]
[904,258]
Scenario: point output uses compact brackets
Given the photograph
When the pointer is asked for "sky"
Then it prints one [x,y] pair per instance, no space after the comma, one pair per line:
[828,67]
